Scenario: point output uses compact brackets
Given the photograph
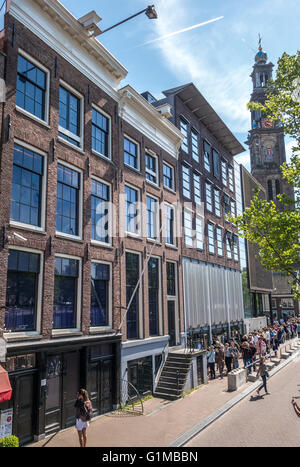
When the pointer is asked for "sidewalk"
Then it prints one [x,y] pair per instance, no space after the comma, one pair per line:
[164,423]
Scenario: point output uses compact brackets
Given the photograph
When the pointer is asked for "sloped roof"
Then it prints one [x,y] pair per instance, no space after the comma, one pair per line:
[202,110]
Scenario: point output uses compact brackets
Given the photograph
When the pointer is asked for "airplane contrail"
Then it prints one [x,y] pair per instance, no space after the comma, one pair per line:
[182,30]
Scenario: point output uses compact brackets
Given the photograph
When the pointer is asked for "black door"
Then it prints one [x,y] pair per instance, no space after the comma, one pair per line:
[62,387]
[24,408]
[101,386]
[171,322]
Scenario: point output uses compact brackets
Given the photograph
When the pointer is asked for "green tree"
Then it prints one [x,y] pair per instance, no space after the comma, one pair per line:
[277,231]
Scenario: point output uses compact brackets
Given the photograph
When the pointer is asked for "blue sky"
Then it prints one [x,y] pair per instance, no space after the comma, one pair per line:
[217,57]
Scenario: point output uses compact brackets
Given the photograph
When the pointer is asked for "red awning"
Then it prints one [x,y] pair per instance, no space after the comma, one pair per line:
[5,387]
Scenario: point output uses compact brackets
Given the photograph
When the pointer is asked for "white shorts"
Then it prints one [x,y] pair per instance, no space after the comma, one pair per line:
[81,424]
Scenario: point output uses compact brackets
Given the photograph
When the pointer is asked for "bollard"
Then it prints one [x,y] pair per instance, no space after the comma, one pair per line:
[236,378]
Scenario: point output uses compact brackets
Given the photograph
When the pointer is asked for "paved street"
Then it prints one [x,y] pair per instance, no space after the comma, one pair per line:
[269,421]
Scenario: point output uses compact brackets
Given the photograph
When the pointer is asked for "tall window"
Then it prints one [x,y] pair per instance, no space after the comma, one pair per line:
[100,294]
[22,291]
[206,153]
[226,202]
[232,207]
[224,172]
[229,245]
[31,92]
[26,194]
[217,202]
[277,186]
[186,181]
[208,196]
[132,276]
[67,202]
[188,228]
[230,178]
[235,241]
[151,163]
[195,145]
[169,225]
[184,130]
[131,154]
[168,176]
[100,197]
[211,238]
[171,278]
[152,217]
[153,294]
[100,133]
[131,210]
[69,116]
[219,236]
[199,233]
[65,293]
[197,188]
[216,163]
[270,190]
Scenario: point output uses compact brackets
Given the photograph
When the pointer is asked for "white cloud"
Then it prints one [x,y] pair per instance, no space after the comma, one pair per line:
[194,57]
[244,159]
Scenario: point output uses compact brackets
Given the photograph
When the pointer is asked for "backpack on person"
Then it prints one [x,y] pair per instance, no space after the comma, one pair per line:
[86,411]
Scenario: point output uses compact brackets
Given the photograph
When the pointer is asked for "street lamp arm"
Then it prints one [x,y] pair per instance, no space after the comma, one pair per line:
[150,12]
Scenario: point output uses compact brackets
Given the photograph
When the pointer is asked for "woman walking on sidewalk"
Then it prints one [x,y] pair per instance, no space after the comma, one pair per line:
[84,411]
[262,371]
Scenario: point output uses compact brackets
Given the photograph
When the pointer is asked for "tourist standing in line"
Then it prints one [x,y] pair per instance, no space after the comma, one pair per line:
[211,359]
[228,357]
[220,360]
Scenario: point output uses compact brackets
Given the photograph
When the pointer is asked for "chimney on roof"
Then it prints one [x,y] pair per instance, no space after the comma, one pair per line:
[89,23]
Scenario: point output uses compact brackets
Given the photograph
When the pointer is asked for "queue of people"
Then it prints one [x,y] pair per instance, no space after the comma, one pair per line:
[250,347]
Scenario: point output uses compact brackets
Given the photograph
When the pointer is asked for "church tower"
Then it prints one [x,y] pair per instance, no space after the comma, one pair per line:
[265,139]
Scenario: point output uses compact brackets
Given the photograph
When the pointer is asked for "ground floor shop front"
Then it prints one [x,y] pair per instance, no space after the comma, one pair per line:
[45,382]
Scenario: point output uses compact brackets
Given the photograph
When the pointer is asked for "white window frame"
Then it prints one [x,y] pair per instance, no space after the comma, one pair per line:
[173,176]
[186,173]
[57,332]
[185,131]
[110,297]
[217,201]
[110,214]
[174,224]
[219,237]
[174,298]
[150,172]
[138,154]
[47,93]
[208,184]
[188,230]
[209,238]
[195,135]
[68,133]
[207,157]
[100,111]
[156,227]
[197,186]
[80,207]
[223,174]
[230,178]
[233,207]
[138,231]
[229,243]
[23,225]
[199,232]
[39,296]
